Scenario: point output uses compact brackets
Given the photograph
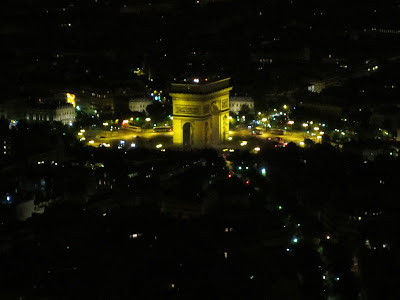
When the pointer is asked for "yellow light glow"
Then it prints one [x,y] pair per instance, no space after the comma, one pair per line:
[302,144]
[285,106]
[91,142]
[291,122]
[125,121]
[159,146]
[148,119]
[305,125]
[230,138]
[82,130]
[230,117]
[105,124]
[80,133]
[257,149]
[243,143]
[71,99]
[264,119]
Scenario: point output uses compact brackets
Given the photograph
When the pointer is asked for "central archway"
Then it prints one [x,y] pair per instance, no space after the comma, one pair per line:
[187,134]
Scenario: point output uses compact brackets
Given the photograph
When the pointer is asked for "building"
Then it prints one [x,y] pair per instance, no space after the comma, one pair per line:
[64,113]
[6,146]
[139,104]
[201,112]
[316,86]
[236,104]
[13,109]
[102,101]
[43,110]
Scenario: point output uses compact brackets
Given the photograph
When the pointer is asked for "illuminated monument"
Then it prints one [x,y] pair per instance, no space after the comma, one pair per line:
[201,113]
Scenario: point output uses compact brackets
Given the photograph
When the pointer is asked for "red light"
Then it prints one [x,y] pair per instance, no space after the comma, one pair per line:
[247,182]
[229,175]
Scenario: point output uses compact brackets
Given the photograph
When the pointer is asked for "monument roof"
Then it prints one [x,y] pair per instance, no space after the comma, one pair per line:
[200,86]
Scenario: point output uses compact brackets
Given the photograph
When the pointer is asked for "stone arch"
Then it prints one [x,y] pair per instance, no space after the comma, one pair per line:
[187,132]
[225,128]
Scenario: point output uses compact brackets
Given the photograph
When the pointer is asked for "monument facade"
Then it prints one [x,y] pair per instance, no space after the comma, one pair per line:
[201,113]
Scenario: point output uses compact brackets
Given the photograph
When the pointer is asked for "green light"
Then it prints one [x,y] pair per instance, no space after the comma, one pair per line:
[252,277]
[137,119]
[280,207]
